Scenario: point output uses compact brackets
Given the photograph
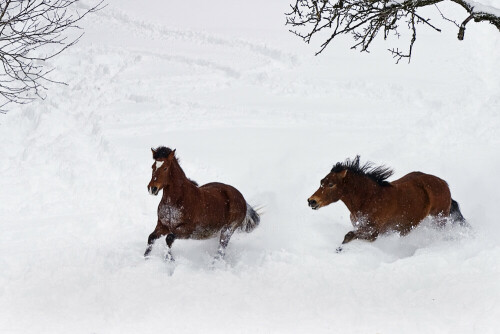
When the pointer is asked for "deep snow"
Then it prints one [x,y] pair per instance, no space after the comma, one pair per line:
[246,103]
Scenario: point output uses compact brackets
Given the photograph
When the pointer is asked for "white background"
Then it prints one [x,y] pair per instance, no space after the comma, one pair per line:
[247,103]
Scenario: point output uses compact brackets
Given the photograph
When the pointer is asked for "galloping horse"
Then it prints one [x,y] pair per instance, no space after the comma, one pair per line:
[378,206]
[187,211]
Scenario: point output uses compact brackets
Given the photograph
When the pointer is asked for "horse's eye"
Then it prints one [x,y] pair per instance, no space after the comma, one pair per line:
[330,185]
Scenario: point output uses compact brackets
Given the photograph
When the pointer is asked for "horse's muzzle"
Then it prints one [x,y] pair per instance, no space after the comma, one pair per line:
[313,204]
[153,190]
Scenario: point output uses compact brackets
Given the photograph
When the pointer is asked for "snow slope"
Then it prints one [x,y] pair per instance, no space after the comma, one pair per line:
[246,103]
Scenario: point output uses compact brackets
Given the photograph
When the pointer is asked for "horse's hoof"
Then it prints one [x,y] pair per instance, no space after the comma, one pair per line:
[218,263]
[338,250]
[147,252]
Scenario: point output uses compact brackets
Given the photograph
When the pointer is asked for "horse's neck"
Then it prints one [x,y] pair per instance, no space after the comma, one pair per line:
[359,190]
[178,183]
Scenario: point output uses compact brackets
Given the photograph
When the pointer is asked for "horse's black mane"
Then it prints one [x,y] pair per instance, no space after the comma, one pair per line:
[161,152]
[378,174]
[164,152]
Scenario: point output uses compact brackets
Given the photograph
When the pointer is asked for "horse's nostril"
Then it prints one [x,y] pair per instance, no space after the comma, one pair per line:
[154,189]
[312,202]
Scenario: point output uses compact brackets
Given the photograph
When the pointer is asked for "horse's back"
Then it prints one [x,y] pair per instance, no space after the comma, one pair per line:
[226,195]
[221,188]
[436,190]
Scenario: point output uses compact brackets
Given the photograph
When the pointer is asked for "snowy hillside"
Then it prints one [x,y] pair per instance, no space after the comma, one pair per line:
[246,103]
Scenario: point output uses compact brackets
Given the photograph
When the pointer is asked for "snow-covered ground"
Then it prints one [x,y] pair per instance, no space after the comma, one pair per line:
[246,103]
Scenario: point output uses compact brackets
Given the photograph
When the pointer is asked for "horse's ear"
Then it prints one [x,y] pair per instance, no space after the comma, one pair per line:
[153,151]
[343,173]
[172,154]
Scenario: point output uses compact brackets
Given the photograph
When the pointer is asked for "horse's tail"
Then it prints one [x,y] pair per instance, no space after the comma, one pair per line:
[456,215]
[251,221]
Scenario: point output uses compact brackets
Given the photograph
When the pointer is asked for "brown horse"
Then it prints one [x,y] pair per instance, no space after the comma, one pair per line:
[378,206]
[187,211]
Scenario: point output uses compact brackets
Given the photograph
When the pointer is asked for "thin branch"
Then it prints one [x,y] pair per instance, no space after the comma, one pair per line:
[445,18]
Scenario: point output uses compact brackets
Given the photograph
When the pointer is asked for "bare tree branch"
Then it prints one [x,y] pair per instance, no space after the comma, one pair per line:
[365,19]
[461,31]
[28,29]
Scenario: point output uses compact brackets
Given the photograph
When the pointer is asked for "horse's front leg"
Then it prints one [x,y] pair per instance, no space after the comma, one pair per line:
[367,233]
[170,240]
[225,236]
[151,240]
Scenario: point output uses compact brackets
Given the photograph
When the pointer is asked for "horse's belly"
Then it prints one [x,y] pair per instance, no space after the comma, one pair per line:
[173,219]
[201,233]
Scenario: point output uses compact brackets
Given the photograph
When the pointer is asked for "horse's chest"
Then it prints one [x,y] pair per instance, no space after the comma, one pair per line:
[359,219]
[169,215]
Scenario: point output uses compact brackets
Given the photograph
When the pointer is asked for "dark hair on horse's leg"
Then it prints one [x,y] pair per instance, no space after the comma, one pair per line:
[170,240]
[456,215]
[151,240]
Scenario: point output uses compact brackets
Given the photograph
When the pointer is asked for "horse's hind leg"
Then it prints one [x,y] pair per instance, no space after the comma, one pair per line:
[170,240]
[225,236]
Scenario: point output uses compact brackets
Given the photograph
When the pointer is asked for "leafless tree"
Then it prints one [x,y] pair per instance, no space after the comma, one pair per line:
[32,32]
[364,19]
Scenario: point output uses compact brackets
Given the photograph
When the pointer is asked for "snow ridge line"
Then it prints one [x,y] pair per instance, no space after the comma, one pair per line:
[169,33]
[230,72]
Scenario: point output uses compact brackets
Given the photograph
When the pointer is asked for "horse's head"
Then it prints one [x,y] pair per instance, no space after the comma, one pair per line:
[330,190]
[163,157]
